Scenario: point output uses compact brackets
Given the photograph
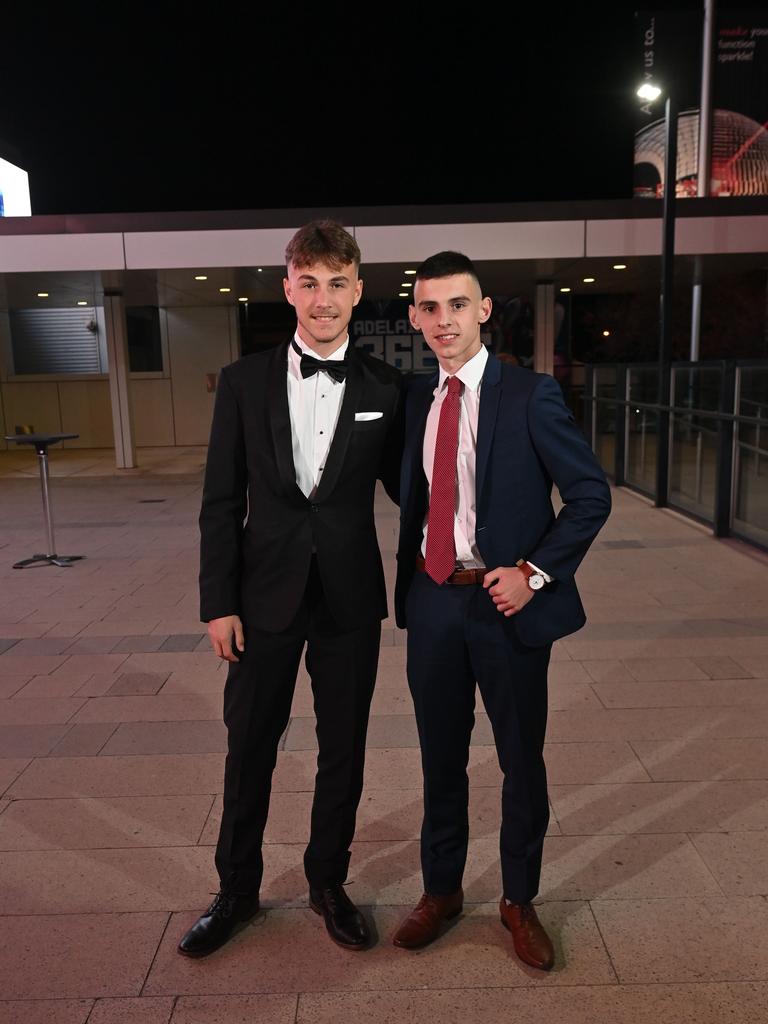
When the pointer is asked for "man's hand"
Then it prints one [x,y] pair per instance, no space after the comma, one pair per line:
[221,630]
[509,589]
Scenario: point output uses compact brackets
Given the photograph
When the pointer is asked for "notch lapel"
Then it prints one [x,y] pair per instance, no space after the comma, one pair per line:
[490,394]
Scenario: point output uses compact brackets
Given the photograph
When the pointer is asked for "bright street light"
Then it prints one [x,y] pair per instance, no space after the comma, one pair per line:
[649,92]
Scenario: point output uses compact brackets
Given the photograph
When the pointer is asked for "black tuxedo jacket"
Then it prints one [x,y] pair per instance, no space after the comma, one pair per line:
[258,530]
[526,440]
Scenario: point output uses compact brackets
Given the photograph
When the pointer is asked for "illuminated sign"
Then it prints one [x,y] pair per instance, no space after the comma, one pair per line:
[14,191]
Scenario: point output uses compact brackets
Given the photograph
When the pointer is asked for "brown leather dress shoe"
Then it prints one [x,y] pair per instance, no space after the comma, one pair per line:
[532,944]
[422,925]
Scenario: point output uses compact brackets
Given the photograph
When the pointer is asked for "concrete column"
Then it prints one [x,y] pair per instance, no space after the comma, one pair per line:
[544,329]
[119,389]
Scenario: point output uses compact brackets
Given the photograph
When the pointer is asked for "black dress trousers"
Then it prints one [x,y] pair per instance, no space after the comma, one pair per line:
[257,703]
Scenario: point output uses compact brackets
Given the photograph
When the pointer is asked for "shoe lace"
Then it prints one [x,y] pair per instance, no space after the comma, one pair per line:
[222,904]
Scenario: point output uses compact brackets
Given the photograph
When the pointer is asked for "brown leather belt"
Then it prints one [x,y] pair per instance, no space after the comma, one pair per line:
[460,577]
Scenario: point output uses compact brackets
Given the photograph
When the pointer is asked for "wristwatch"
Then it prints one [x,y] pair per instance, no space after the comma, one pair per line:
[533,578]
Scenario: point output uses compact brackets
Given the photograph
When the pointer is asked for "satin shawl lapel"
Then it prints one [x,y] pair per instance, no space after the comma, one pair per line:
[353,390]
[280,421]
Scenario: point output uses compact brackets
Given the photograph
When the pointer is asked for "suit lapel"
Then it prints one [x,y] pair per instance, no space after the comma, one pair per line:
[280,421]
[490,394]
[353,390]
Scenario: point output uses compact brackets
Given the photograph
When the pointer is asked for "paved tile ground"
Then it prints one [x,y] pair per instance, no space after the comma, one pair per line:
[655,882]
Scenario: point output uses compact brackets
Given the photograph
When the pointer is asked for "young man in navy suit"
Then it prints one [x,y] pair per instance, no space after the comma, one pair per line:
[288,558]
[485,585]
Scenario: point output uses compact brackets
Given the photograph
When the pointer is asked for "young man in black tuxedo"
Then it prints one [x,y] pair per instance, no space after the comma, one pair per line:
[484,586]
[289,556]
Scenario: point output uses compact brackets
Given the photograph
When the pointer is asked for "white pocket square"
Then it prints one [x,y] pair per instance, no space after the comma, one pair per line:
[362,416]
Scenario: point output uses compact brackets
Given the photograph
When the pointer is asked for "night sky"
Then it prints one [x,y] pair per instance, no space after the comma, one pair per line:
[165,108]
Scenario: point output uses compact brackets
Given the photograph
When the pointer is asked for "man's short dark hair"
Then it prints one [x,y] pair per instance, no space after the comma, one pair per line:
[322,241]
[446,264]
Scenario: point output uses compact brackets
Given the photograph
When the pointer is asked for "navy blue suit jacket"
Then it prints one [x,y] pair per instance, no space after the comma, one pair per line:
[527,440]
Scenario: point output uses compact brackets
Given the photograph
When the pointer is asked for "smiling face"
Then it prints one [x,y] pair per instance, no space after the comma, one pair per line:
[323,299]
[449,312]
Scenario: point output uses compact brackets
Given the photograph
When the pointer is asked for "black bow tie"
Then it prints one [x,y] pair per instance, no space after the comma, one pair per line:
[336,368]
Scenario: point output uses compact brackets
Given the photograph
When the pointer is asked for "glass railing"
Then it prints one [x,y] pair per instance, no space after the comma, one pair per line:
[718,438]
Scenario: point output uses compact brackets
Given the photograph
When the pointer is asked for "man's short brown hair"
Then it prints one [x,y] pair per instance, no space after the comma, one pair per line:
[322,241]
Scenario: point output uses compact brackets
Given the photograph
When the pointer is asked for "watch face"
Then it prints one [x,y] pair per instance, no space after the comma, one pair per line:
[535,581]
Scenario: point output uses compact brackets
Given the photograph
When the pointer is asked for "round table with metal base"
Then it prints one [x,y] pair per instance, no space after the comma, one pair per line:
[41,443]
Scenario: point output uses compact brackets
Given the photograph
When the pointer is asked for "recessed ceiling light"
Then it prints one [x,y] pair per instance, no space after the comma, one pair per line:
[82,302]
[201,277]
[565,289]
[403,295]
[589,280]
[42,295]
[619,266]
[409,271]
[243,298]
[223,290]
[606,334]
[260,269]
[406,284]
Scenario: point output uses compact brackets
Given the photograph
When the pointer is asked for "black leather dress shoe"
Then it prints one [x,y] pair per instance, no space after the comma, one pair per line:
[227,915]
[344,922]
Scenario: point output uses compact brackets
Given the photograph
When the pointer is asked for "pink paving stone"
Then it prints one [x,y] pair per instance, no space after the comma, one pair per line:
[121,776]
[133,683]
[29,740]
[109,880]
[10,769]
[738,860]
[92,663]
[30,664]
[45,1011]
[132,1011]
[10,685]
[112,822]
[168,738]
[160,708]
[79,956]
[666,940]
[474,952]
[624,867]
[52,686]
[654,807]
[264,1009]
[581,1004]
[38,710]
[84,740]
[705,758]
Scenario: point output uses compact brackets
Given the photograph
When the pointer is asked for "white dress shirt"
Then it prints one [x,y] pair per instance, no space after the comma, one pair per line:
[314,405]
[471,376]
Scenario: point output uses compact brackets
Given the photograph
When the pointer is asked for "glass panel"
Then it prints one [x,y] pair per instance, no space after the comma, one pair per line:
[644,383]
[640,468]
[605,436]
[605,381]
[697,387]
[751,471]
[692,470]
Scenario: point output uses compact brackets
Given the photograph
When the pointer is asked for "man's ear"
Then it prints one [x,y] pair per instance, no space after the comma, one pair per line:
[412,318]
[486,305]
[288,291]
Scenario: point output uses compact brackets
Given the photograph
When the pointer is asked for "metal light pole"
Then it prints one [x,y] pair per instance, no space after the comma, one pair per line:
[651,92]
[665,310]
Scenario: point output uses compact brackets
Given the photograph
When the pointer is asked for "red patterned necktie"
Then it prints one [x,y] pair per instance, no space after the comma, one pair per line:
[440,559]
